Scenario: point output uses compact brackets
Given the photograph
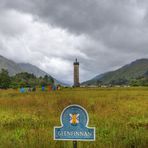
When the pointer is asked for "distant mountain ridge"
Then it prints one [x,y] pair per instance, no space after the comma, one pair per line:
[11,66]
[130,71]
[14,68]
[26,67]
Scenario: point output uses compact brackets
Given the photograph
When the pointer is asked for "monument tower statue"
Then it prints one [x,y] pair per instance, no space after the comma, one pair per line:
[76,74]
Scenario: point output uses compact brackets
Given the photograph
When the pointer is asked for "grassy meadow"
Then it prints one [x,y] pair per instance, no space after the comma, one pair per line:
[120,116]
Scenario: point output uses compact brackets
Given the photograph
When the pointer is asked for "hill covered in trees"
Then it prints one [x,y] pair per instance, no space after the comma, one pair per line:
[23,79]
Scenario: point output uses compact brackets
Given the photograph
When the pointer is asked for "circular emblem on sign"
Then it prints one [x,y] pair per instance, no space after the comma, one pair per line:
[74,115]
[74,118]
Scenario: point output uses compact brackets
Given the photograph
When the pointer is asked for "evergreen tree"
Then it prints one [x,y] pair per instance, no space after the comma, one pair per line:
[4,79]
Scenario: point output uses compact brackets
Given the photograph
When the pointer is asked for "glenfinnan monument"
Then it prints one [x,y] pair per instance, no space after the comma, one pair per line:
[76,74]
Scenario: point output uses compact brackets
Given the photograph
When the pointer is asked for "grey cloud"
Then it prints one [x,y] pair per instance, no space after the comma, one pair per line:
[98,18]
[79,15]
[115,32]
[12,23]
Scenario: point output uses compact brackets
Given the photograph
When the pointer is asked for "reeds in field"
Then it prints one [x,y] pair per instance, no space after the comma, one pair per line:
[120,116]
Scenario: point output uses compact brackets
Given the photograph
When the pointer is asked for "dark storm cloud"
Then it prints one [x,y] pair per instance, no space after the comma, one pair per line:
[111,33]
[115,21]
[79,15]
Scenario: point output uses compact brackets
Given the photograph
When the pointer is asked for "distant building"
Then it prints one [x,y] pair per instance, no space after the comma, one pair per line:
[76,74]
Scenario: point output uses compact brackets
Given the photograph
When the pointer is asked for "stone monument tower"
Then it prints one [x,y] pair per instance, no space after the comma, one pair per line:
[76,74]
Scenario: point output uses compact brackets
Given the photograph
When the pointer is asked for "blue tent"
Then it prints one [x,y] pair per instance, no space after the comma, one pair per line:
[22,90]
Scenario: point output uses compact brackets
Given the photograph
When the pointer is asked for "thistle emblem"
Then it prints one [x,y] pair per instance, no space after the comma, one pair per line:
[74,118]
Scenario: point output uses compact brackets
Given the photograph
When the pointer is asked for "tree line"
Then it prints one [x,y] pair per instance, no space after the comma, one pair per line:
[139,81]
[23,79]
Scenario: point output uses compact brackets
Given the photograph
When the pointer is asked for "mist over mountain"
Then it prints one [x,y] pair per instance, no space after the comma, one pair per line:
[14,68]
[32,69]
[127,73]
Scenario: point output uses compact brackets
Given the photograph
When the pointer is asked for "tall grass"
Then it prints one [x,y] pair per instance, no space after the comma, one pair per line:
[120,116]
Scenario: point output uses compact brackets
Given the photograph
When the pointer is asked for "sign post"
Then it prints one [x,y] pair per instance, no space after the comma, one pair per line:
[74,144]
[74,126]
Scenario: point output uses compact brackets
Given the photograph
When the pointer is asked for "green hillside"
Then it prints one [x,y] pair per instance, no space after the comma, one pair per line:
[126,73]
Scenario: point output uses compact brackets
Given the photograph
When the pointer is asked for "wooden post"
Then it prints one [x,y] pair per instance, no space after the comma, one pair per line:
[74,144]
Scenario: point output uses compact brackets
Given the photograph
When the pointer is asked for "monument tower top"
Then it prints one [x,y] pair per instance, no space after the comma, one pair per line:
[76,62]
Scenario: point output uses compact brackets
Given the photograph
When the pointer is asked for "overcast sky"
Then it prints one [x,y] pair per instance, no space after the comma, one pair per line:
[102,34]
